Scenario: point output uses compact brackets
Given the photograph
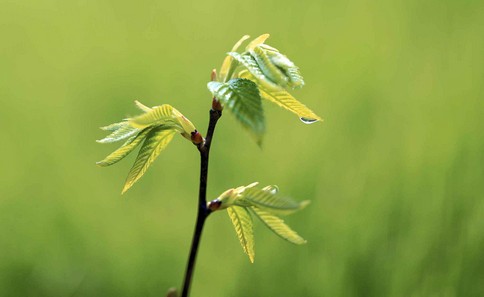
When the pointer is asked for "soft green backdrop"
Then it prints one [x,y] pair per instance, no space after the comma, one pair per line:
[395,172]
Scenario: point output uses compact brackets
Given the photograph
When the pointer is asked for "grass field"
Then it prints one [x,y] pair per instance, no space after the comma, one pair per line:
[395,172]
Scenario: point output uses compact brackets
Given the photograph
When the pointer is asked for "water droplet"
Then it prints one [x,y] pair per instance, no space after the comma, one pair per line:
[308,120]
[271,189]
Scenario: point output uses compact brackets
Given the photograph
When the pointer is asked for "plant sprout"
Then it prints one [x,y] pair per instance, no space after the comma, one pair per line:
[244,79]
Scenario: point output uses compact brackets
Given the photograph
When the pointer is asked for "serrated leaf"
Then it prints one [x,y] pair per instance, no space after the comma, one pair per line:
[242,221]
[125,149]
[242,98]
[229,65]
[291,71]
[121,131]
[270,70]
[278,226]
[158,115]
[113,127]
[156,140]
[251,65]
[270,201]
[284,99]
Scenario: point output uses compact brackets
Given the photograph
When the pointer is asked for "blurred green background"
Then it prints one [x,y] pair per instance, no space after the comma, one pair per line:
[395,172]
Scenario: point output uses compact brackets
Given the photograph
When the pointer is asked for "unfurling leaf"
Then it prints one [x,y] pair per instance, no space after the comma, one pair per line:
[270,70]
[277,225]
[156,140]
[243,224]
[251,65]
[242,98]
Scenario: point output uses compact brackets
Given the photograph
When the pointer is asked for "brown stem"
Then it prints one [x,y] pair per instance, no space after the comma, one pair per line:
[203,211]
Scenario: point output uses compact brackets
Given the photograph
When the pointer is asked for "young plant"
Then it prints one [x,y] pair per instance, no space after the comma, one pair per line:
[259,72]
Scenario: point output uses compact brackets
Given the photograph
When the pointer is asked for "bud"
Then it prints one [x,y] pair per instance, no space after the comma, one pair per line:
[196,137]
[214,204]
[213,75]
[216,105]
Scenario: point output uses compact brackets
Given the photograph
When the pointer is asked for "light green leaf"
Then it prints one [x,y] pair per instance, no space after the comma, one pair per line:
[242,97]
[122,130]
[243,224]
[284,99]
[125,149]
[158,115]
[156,140]
[113,127]
[278,226]
[142,107]
[270,70]
[271,201]
[291,71]
[257,41]
[251,65]
[229,65]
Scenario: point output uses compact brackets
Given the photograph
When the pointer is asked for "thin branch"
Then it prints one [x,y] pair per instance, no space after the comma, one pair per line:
[203,211]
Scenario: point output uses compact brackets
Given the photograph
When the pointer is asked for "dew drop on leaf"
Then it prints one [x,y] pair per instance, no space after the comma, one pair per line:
[308,120]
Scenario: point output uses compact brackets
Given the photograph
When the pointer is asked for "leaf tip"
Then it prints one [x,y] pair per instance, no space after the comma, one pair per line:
[304,203]
[101,164]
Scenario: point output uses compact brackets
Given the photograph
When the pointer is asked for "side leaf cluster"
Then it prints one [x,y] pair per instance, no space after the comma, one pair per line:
[264,203]
[153,130]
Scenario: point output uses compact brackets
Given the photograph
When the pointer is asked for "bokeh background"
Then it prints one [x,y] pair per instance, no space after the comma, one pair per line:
[395,173]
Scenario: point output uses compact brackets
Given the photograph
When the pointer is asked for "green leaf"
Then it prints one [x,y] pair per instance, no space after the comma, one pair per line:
[278,226]
[156,140]
[242,97]
[251,65]
[270,70]
[269,200]
[125,149]
[120,130]
[284,99]
[291,71]
[243,224]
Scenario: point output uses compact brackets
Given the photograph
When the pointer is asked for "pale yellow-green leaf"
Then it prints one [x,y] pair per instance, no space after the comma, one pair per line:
[120,131]
[270,70]
[158,115]
[228,66]
[125,149]
[278,226]
[156,140]
[284,99]
[185,123]
[243,224]
[271,201]
[259,40]
[142,107]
